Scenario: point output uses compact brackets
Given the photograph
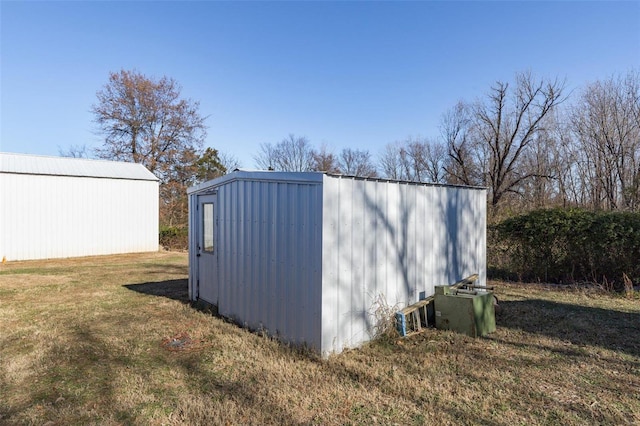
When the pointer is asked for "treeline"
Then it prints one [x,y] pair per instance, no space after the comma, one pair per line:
[532,144]
[562,172]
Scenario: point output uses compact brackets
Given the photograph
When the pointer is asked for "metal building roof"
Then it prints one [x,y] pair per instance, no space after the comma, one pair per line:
[63,166]
[277,176]
[259,175]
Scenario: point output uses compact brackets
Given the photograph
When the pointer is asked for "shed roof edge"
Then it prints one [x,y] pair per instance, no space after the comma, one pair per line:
[261,175]
[308,177]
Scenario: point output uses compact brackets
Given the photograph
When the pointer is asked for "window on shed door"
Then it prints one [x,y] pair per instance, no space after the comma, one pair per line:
[207,227]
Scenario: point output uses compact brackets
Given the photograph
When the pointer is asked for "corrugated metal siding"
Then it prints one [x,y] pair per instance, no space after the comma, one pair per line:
[392,239]
[193,247]
[306,258]
[58,216]
[269,239]
[62,166]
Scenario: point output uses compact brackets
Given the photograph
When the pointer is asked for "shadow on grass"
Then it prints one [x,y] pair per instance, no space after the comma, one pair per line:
[579,325]
[172,289]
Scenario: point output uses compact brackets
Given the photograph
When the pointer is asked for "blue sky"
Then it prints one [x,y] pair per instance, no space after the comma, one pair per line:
[346,74]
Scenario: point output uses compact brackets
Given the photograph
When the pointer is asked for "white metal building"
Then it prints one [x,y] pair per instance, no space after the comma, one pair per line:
[306,255]
[53,207]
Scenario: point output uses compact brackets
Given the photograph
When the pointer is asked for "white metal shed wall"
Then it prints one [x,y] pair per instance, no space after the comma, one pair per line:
[307,255]
[392,239]
[269,254]
[45,216]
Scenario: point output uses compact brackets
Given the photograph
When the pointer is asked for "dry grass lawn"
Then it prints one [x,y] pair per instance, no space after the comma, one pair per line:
[112,340]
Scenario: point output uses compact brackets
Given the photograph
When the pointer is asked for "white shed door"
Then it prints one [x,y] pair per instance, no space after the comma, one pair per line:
[207,249]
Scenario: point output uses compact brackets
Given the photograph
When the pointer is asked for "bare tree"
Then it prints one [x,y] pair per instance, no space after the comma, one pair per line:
[266,157]
[423,160]
[435,160]
[390,162]
[508,126]
[415,159]
[229,162]
[606,124]
[145,120]
[292,154]
[489,140]
[462,166]
[543,162]
[356,162]
[74,151]
[567,165]
[324,160]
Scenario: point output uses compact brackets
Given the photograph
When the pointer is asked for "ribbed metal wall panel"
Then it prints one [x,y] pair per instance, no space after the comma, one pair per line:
[269,256]
[395,240]
[60,216]
[306,256]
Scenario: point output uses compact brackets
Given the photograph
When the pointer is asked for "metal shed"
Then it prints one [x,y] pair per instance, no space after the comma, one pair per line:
[53,207]
[306,256]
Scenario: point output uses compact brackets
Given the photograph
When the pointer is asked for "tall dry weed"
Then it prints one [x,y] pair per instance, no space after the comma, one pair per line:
[628,286]
[383,316]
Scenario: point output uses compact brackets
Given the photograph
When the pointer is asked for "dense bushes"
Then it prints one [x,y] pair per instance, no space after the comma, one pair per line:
[174,237]
[566,246]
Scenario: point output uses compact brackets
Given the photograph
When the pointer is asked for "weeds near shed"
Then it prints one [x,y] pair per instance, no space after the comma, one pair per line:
[383,315]
[628,286]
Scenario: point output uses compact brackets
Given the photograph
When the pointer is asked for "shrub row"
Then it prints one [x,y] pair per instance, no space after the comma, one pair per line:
[565,246]
[174,237]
